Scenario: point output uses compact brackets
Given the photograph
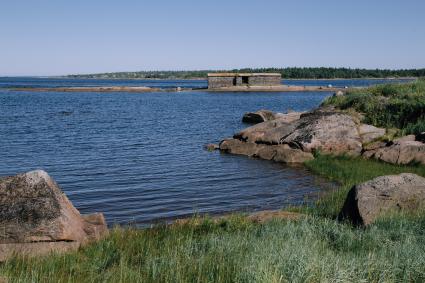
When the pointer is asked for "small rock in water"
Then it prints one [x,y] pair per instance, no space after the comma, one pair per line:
[66,113]
[211,147]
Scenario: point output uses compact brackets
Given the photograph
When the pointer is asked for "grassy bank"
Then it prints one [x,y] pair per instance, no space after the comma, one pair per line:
[314,249]
[311,250]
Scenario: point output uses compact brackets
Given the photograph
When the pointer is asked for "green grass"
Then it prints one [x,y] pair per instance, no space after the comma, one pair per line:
[399,106]
[312,250]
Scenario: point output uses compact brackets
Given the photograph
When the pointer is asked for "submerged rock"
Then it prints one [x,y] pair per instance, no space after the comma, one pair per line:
[377,197]
[211,147]
[33,210]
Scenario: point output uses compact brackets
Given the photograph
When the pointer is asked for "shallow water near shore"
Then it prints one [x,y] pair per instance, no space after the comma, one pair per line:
[139,158]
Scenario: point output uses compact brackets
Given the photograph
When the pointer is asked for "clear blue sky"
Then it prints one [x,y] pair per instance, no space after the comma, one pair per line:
[64,37]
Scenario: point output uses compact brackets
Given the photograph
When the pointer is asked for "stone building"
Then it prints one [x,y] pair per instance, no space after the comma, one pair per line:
[220,80]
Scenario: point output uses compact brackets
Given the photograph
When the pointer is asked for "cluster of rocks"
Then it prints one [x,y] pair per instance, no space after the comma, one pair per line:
[404,150]
[296,136]
[37,218]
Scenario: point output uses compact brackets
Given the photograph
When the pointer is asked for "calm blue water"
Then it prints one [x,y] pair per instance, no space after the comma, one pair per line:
[65,82]
[139,158]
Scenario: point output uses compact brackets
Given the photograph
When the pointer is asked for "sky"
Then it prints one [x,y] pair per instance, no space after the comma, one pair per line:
[60,37]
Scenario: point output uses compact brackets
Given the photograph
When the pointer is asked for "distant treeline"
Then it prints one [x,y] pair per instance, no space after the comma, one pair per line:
[287,73]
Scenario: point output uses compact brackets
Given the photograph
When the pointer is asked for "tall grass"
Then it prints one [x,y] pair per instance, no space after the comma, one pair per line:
[311,250]
[399,106]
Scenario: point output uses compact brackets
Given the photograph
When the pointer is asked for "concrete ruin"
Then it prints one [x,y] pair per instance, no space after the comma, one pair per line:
[226,80]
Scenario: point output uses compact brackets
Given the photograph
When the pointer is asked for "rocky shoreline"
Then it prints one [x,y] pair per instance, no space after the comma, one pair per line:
[295,137]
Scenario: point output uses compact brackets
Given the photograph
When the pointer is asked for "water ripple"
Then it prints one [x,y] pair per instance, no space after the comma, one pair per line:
[139,158]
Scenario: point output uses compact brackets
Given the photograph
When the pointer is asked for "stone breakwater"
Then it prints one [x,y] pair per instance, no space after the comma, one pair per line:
[295,137]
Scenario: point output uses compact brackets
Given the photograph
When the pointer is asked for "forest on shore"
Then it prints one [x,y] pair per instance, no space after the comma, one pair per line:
[287,73]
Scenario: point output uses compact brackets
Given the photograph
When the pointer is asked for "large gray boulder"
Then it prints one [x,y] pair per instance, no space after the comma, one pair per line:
[33,209]
[382,195]
[326,131]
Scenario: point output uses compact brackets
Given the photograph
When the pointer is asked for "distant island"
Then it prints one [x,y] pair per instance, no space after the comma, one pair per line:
[287,73]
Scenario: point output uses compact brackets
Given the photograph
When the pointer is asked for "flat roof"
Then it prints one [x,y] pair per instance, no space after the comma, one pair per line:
[243,74]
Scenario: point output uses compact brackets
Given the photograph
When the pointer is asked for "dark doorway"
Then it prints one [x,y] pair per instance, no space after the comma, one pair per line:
[245,80]
[234,81]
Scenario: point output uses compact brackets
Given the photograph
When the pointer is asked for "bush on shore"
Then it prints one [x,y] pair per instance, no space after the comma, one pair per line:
[399,106]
